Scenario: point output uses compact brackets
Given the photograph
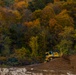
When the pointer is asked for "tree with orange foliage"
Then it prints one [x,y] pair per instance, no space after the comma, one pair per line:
[46,14]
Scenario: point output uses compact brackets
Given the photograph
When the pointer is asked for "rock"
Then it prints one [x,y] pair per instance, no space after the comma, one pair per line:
[24,69]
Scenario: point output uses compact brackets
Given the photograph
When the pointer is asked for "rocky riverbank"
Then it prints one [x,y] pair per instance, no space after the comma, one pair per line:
[60,66]
[24,71]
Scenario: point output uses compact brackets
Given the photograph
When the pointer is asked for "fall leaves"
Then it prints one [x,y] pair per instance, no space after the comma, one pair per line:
[28,30]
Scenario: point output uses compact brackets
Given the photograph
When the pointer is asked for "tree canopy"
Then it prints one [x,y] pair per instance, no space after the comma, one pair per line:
[29,28]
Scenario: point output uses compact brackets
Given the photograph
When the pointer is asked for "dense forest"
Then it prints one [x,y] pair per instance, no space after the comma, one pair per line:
[29,28]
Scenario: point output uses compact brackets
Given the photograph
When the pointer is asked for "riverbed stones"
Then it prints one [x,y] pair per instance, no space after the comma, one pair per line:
[13,71]
[24,71]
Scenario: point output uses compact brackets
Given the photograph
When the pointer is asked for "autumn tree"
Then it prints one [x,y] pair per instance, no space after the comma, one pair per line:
[66,44]
[57,7]
[29,28]
[20,5]
[2,3]
[26,15]
[46,14]
[54,30]
[9,17]
[64,19]
[70,6]
[36,14]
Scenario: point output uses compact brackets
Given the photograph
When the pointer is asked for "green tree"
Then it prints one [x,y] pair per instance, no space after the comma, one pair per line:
[8,2]
[22,55]
[17,35]
[66,44]
[48,1]
[6,46]
[36,4]
[43,42]
[74,41]
[34,46]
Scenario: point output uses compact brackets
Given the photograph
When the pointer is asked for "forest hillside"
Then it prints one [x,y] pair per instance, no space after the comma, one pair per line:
[29,28]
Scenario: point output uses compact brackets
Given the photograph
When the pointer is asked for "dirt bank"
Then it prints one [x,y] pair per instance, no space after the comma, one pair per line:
[63,63]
